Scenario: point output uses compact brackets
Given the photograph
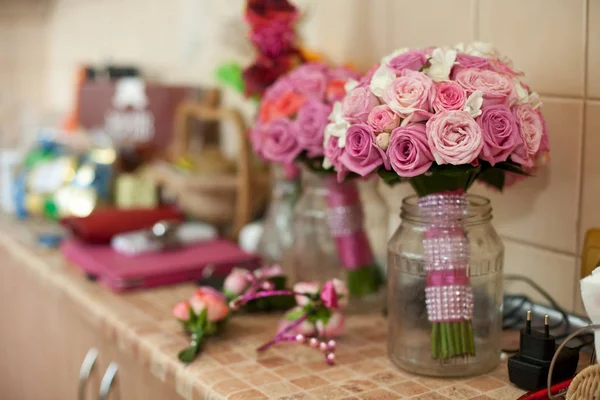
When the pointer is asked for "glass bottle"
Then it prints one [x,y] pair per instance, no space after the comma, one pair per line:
[413,342]
[331,238]
[277,237]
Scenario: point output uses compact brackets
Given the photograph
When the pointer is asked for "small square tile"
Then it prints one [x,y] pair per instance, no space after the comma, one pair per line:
[459,392]
[430,396]
[388,377]
[318,366]
[274,362]
[506,393]
[410,388]
[245,369]
[338,374]
[280,389]
[297,396]
[261,378]
[484,383]
[330,392]
[228,357]
[230,386]
[379,394]
[481,397]
[348,358]
[366,367]
[308,382]
[215,376]
[435,383]
[290,371]
[250,394]
[358,385]
[375,351]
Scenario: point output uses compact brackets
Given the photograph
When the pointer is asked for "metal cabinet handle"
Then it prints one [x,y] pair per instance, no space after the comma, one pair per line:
[85,370]
[107,380]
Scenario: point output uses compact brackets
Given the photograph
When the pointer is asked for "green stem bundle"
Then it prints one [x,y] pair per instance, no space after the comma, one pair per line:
[452,339]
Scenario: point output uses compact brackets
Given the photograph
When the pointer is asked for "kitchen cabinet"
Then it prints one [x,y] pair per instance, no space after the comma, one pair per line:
[44,338]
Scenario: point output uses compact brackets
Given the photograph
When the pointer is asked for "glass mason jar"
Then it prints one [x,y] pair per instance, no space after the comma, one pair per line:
[332,240]
[430,270]
[276,237]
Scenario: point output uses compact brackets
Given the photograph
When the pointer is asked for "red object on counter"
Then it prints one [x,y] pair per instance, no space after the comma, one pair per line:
[559,388]
[101,225]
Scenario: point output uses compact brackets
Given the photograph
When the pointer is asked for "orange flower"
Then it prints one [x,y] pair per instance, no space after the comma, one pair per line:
[287,105]
[335,90]
[266,111]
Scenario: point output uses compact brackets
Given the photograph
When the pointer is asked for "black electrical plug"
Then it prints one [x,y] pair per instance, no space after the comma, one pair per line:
[528,369]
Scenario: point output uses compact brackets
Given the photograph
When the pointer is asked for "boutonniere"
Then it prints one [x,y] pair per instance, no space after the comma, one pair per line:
[315,321]
[204,314]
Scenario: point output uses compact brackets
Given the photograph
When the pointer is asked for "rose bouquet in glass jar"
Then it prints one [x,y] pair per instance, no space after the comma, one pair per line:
[441,118]
[329,237]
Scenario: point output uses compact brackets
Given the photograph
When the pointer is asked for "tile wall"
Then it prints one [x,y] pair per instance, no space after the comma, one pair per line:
[556,42]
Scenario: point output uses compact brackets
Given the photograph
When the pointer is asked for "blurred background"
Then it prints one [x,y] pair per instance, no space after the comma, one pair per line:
[543,220]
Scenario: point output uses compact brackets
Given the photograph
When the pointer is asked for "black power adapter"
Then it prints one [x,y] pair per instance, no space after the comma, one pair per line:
[528,369]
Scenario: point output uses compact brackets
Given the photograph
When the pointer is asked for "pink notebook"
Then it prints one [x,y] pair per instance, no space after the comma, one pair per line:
[119,272]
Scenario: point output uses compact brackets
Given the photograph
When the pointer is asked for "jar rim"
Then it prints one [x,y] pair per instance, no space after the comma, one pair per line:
[479,209]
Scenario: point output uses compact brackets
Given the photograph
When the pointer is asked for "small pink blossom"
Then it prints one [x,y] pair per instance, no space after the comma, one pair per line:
[211,299]
[334,327]
[449,96]
[383,119]
[236,282]
[181,311]
[311,288]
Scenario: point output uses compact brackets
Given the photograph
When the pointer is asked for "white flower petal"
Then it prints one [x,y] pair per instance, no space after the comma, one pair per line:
[382,78]
[441,62]
[474,102]
[522,94]
[350,84]
[336,112]
[326,163]
[534,100]
[482,49]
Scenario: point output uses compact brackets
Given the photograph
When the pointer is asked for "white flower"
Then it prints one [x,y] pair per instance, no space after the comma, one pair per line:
[534,100]
[350,84]
[326,163]
[386,60]
[473,104]
[441,62]
[460,47]
[481,49]
[382,78]
[337,127]
[336,112]
[522,93]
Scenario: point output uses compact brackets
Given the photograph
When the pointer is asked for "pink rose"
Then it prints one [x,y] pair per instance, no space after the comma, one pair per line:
[310,82]
[464,61]
[544,142]
[277,89]
[305,328]
[279,142]
[412,60]
[213,300]
[409,92]
[236,282]
[408,151]
[357,104]
[383,119]
[531,130]
[305,287]
[342,291]
[496,88]
[333,328]
[500,133]
[454,137]
[269,271]
[181,311]
[310,123]
[361,154]
[333,153]
[448,96]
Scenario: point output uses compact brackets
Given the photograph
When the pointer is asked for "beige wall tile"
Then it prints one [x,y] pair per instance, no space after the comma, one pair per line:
[545,38]
[590,201]
[543,209]
[594,49]
[428,23]
[553,271]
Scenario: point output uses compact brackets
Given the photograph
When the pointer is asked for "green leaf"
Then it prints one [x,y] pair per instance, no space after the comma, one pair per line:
[426,65]
[294,315]
[493,177]
[210,328]
[320,314]
[511,167]
[231,75]
[442,178]
[188,355]
[278,281]
[389,177]
[364,280]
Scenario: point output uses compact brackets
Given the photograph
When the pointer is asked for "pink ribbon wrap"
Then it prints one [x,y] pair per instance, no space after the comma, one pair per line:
[345,219]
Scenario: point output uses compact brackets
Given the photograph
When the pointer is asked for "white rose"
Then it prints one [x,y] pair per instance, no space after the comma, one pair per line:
[350,84]
[381,79]
[535,101]
[441,63]
[338,125]
[473,104]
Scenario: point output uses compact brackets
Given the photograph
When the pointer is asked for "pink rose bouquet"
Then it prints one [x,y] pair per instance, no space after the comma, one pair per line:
[440,118]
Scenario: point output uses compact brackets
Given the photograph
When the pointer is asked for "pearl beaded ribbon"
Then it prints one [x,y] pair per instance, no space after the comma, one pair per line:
[345,220]
[448,295]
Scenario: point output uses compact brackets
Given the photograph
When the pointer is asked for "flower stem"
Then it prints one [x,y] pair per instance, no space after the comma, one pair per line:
[280,335]
[435,340]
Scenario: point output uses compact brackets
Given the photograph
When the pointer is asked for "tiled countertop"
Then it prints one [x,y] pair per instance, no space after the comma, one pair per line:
[141,325]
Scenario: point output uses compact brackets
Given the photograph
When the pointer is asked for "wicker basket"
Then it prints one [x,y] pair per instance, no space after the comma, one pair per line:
[225,193]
